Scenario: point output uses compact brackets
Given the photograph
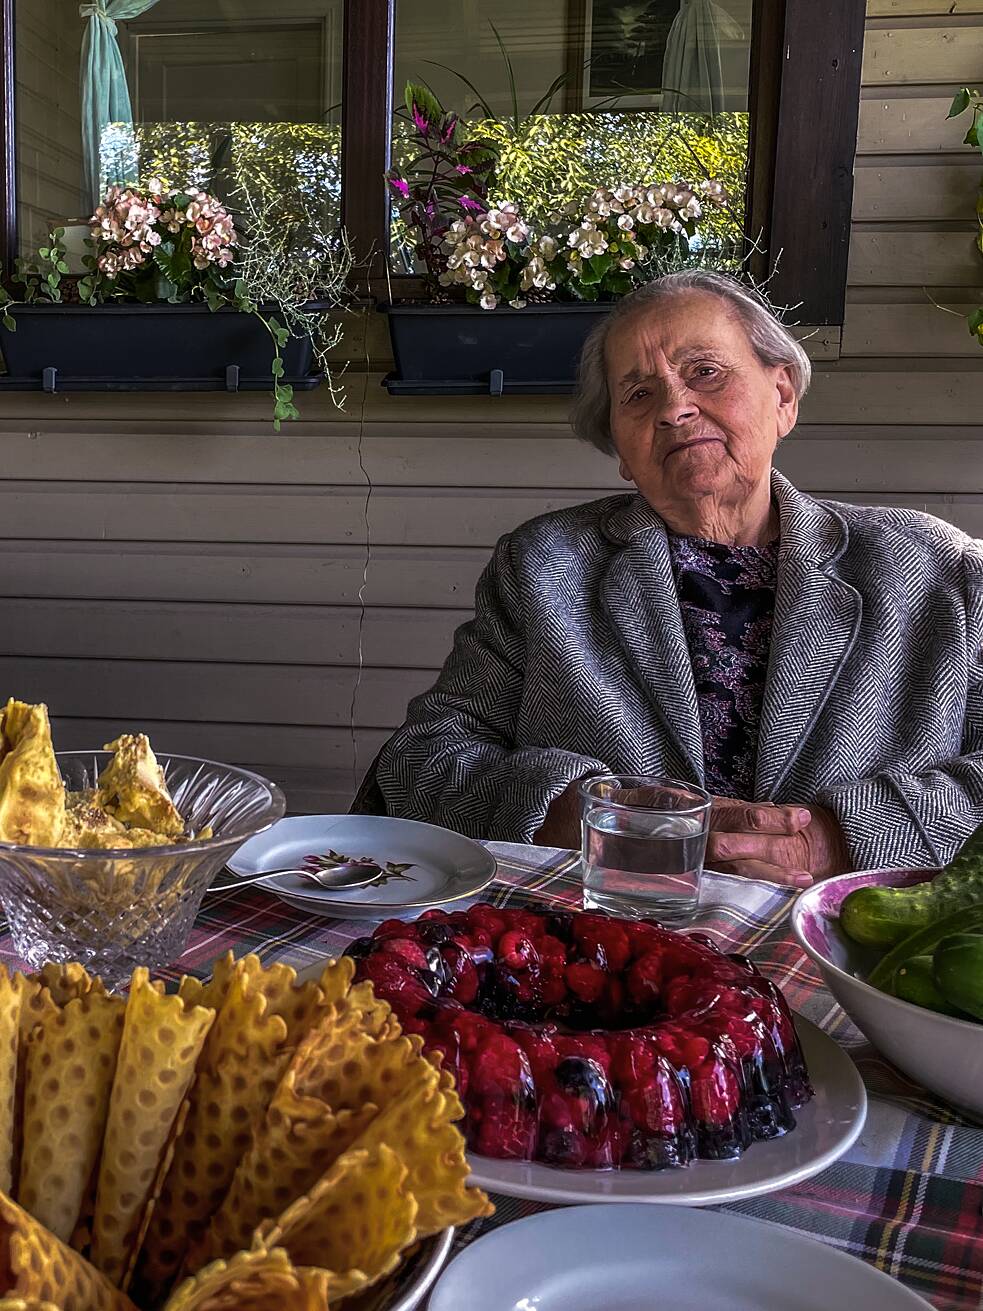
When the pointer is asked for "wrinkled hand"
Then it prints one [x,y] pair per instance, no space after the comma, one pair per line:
[791,844]
[561,826]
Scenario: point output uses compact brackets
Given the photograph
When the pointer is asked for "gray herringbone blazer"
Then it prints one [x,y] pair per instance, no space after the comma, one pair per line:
[576,660]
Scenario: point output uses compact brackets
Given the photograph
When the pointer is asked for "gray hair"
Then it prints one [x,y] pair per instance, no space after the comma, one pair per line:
[771,341]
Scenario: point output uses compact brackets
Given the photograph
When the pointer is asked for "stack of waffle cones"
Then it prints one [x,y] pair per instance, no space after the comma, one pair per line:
[248,1143]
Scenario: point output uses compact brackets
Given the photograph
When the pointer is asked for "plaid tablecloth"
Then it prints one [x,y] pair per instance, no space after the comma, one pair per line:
[908,1197]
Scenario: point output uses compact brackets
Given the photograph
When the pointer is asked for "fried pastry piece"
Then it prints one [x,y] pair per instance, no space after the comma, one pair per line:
[86,826]
[32,794]
[132,788]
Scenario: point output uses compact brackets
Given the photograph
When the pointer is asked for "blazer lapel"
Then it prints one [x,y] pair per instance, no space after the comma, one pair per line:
[639,597]
[816,622]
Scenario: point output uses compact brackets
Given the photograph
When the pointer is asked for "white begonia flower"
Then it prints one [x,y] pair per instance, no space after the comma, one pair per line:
[488,301]
[664,218]
[625,194]
[692,209]
[645,213]
[547,248]
[518,303]
[656,195]
[517,233]
[625,222]
[626,263]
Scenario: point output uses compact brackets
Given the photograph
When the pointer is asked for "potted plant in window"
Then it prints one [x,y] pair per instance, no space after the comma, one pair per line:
[179,294]
[510,301]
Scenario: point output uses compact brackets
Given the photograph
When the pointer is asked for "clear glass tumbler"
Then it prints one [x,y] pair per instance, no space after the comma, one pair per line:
[644,841]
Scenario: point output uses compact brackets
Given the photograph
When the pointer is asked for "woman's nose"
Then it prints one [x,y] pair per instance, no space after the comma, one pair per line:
[676,408]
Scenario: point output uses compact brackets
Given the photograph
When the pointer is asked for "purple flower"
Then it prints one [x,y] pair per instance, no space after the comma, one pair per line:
[398,184]
[422,123]
[466,202]
[461,168]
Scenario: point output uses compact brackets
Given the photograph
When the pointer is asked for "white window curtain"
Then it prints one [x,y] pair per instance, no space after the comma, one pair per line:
[692,76]
[105,95]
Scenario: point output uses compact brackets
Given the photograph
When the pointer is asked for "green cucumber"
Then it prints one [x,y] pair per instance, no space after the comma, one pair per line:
[923,941]
[880,917]
[915,982]
[957,971]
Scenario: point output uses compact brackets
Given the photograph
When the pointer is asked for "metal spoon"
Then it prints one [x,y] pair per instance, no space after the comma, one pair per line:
[349,874]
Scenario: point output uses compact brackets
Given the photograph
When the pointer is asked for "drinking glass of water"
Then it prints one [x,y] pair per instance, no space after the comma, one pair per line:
[644,840]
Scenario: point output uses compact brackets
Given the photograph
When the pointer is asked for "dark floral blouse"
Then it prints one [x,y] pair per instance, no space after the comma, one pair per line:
[727,597]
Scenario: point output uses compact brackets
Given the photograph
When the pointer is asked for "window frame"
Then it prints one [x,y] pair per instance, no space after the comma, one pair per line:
[804,106]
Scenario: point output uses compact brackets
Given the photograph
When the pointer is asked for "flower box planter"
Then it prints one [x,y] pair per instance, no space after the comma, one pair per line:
[454,350]
[145,348]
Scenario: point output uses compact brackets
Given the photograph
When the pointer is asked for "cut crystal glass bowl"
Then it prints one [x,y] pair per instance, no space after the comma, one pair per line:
[115,910]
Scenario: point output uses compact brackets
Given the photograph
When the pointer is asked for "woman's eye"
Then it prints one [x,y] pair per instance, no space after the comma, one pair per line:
[639,394]
[705,371]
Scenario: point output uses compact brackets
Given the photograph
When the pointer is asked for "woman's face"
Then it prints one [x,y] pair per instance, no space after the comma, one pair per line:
[695,415]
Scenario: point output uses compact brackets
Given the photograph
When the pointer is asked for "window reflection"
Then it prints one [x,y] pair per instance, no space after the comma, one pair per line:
[585,93]
[204,93]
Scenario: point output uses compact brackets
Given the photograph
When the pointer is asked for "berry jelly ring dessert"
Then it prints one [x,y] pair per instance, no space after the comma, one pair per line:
[586,1041]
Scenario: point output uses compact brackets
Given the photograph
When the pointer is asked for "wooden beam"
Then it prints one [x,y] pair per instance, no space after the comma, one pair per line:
[366,127]
[8,142]
[809,235]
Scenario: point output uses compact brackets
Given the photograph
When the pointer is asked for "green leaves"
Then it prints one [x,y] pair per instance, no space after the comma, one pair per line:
[427,107]
[960,102]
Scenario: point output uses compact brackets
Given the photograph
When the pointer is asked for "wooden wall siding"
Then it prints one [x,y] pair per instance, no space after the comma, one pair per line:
[167,561]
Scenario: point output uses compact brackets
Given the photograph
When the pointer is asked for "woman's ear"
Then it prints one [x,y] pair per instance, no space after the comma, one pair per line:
[787,410]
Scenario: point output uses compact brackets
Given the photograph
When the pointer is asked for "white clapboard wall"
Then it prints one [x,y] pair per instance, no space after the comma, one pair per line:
[168,562]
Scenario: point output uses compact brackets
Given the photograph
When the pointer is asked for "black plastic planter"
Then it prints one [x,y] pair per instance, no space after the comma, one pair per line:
[145,348]
[464,350]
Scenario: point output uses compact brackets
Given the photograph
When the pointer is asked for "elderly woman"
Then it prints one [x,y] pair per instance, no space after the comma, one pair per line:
[816,666]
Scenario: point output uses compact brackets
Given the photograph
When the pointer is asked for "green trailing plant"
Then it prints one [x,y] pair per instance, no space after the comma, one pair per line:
[165,245]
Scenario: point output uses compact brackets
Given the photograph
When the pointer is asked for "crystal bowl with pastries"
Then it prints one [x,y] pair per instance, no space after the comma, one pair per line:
[105,855]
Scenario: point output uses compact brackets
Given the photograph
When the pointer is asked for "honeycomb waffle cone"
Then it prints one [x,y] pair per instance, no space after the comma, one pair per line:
[177,1128]
[162,1040]
[356,1221]
[26,1304]
[35,1265]
[347,1073]
[298,1140]
[418,1126]
[237,1077]
[254,1281]
[299,1006]
[36,1007]
[71,1061]
[67,980]
[10,1007]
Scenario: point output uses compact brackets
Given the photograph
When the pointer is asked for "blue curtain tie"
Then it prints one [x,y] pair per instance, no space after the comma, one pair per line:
[98,10]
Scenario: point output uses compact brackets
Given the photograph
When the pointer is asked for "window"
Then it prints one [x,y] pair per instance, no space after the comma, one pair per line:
[296,96]
[213,95]
[585,94]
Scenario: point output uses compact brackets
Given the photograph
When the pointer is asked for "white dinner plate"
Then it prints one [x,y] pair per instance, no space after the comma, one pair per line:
[590,1258]
[826,1127]
[441,866]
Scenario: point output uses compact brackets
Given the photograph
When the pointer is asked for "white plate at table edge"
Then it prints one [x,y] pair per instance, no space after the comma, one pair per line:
[827,1126]
[561,1257]
[335,904]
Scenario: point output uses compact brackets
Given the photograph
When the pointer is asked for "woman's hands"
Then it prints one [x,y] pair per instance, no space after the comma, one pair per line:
[793,845]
